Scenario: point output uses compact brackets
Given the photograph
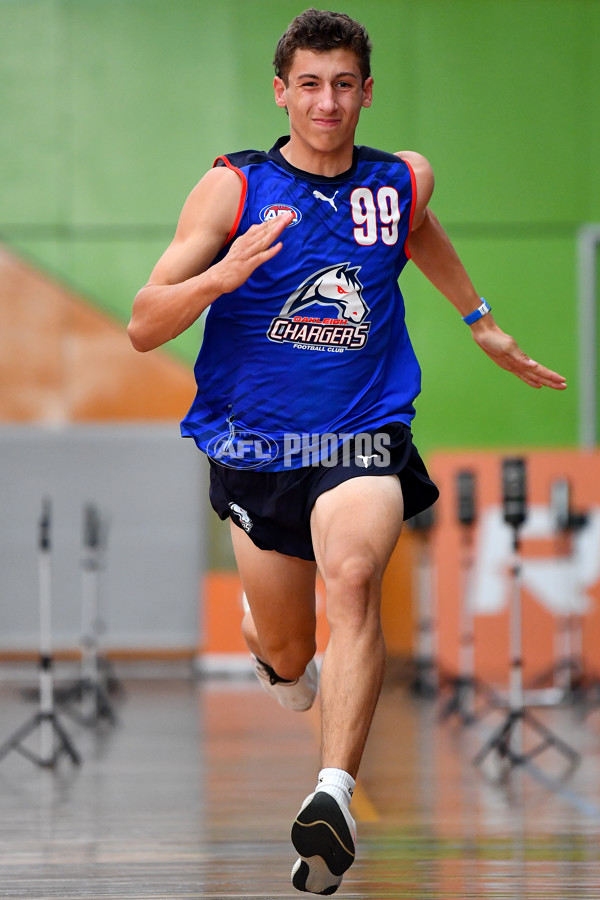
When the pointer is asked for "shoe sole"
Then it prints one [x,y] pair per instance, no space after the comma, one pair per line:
[320,830]
[301,873]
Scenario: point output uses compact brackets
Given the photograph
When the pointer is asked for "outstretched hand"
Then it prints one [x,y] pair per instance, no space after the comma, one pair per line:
[507,354]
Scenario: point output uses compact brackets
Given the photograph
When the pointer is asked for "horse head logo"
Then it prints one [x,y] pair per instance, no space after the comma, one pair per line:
[337,286]
[242,514]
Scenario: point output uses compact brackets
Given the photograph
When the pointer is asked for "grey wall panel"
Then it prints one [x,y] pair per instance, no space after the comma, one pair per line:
[149,486]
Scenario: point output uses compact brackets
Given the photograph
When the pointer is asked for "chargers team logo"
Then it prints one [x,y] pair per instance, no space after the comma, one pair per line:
[335,286]
[278,209]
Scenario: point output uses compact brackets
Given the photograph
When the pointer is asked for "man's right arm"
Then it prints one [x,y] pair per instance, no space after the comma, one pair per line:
[183,283]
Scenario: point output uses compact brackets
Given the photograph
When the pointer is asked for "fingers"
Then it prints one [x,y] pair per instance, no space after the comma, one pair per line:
[251,250]
[271,251]
[539,376]
[504,350]
[536,375]
[256,243]
[264,234]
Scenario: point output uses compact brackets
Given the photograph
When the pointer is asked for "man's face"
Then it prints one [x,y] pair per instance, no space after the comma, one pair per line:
[324,96]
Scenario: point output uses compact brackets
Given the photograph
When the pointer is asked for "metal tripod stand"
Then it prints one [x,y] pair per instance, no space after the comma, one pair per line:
[90,691]
[508,739]
[54,740]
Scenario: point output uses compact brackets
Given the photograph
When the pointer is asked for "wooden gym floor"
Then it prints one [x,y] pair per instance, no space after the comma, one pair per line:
[193,792]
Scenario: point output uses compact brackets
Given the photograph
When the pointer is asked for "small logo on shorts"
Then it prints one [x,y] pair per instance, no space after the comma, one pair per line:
[366,460]
[242,514]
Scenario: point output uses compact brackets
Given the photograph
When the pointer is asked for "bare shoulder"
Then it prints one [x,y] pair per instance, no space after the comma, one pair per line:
[419,164]
[214,201]
[424,178]
[205,223]
[416,160]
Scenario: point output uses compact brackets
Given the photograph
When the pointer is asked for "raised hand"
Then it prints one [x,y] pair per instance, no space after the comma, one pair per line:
[250,251]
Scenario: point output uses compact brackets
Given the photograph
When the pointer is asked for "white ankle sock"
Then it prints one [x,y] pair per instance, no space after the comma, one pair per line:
[338,783]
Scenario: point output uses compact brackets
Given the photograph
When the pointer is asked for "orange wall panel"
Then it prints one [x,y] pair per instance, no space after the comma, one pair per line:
[63,361]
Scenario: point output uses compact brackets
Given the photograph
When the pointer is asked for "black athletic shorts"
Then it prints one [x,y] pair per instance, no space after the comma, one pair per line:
[274,507]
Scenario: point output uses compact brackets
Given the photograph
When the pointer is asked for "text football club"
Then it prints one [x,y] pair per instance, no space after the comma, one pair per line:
[336,286]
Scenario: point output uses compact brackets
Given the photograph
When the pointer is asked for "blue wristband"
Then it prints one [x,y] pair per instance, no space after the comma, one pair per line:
[481,311]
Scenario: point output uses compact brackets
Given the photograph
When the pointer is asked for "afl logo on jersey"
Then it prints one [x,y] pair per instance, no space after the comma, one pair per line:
[278,209]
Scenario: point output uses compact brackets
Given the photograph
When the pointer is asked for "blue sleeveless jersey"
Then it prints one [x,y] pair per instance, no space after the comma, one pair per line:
[315,342]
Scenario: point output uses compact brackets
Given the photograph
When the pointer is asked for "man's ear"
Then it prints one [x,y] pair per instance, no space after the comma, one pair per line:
[368,92]
[279,88]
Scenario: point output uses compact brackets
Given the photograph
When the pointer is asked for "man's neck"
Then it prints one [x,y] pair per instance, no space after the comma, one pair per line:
[317,162]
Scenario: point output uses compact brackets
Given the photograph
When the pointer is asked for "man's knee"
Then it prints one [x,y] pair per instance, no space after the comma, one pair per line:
[357,572]
[288,655]
[353,590]
[290,658]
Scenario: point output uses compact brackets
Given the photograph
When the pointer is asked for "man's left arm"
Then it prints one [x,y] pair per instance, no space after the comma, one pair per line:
[433,253]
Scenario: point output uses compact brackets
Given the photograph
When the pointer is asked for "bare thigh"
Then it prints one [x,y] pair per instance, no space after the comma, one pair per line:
[355,528]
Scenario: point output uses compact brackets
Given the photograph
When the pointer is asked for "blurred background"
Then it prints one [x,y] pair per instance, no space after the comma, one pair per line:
[111,111]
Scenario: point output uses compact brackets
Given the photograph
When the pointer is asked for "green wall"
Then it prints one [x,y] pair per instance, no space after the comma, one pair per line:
[111,111]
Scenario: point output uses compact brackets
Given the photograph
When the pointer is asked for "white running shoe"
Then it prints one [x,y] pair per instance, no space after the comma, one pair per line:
[324,834]
[298,695]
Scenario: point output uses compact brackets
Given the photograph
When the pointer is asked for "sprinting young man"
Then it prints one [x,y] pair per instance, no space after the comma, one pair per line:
[306,381]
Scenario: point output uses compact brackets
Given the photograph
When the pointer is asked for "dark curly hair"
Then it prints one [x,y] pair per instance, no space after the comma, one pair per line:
[320,30]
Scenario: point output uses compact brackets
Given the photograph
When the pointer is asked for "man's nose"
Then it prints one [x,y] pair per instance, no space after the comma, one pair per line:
[327,100]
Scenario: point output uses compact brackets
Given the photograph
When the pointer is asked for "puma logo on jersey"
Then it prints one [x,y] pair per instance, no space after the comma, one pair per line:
[330,200]
[366,459]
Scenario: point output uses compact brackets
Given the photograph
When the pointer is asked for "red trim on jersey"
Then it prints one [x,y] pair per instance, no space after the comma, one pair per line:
[240,210]
[412,205]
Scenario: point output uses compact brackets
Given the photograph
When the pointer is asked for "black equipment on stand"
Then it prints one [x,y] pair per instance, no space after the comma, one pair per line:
[54,740]
[508,740]
[465,686]
[425,682]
